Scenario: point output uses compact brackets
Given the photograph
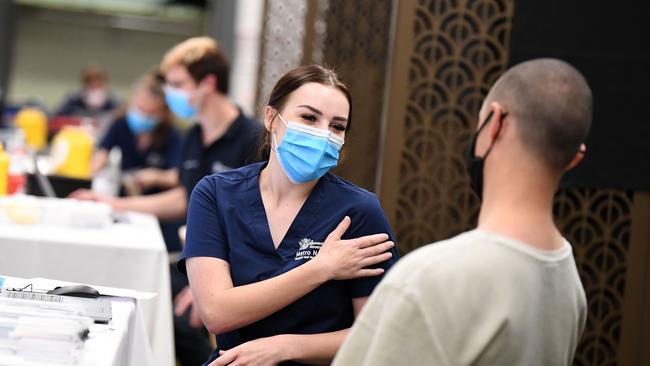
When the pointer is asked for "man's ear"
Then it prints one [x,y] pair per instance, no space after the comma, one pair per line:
[209,82]
[577,158]
[496,127]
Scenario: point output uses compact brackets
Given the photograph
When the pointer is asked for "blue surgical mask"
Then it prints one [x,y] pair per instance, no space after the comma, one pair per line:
[179,102]
[140,123]
[307,153]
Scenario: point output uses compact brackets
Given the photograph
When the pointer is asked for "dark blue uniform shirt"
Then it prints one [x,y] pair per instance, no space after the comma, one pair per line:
[75,105]
[236,148]
[227,220]
[165,155]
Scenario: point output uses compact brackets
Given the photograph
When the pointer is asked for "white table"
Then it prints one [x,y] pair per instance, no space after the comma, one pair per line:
[129,255]
[123,341]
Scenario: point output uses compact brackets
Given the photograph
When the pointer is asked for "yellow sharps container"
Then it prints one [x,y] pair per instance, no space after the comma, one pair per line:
[33,122]
[72,151]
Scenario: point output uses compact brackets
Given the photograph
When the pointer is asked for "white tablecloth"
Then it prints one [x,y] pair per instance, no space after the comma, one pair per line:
[128,255]
[123,341]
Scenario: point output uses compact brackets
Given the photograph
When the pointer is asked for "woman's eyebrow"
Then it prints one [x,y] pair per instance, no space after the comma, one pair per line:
[316,111]
[312,109]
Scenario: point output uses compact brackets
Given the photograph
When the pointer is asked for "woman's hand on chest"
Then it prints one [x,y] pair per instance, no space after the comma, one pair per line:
[347,259]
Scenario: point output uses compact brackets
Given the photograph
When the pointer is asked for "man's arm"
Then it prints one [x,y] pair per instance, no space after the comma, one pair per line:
[167,205]
[154,177]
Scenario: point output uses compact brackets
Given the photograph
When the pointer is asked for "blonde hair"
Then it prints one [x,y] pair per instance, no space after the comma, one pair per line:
[201,56]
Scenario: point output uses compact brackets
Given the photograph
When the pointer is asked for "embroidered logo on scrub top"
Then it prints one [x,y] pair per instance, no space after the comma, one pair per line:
[190,164]
[308,249]
[219,167]
[154,159]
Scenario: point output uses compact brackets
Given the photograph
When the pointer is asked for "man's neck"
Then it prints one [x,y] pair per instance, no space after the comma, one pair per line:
[217,115]
[522,209]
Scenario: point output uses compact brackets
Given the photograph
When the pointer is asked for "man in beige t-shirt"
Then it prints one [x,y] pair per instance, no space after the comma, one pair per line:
[507,293]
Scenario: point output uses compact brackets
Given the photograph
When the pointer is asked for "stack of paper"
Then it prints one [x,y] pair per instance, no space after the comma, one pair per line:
[37,332]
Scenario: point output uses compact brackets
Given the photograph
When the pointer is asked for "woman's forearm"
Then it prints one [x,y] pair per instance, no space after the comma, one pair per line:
[235,307]
[314,349]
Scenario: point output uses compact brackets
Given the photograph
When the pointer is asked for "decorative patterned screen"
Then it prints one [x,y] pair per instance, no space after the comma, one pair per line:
[597,223]
[461,48]
[453,53]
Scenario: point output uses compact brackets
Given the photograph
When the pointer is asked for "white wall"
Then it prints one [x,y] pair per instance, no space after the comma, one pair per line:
[49,55]
[248,29]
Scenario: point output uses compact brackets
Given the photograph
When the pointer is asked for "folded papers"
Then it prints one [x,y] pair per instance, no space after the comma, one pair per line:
[38,333]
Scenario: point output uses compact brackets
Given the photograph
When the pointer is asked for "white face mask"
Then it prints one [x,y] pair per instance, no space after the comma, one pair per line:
[95,98]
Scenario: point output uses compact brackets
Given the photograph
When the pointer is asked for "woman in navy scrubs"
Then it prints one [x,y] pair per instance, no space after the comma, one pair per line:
[282,255]
[150,146]
[149,142]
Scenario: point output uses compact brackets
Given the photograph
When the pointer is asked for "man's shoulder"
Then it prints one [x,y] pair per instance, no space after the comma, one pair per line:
[192,133]
[248,125]
[244,173]
[468,258]
[250,121]
[454,249]
[475,260]
[230,181]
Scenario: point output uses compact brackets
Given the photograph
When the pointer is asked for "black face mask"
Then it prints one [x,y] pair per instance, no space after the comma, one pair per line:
[475,164]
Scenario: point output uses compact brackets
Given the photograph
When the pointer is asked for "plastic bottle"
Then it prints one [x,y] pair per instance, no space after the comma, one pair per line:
[19,161]
[4,171]
[107,181]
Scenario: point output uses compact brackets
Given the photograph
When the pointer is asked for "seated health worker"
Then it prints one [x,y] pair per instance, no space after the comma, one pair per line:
[94,99]
[281,255]
[145,134]
[150,145]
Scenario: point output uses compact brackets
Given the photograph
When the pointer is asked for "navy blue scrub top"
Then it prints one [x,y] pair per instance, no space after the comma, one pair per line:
[227,220]
[236,148]
[165,156]
[75,105]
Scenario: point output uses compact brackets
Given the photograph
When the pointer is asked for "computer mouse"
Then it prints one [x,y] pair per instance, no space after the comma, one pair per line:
[75,290]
